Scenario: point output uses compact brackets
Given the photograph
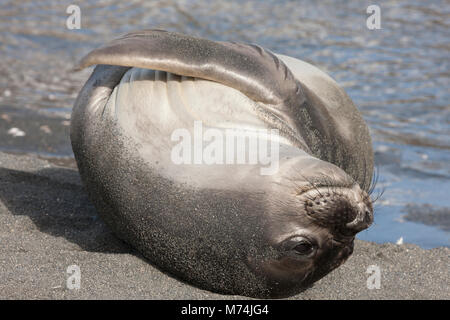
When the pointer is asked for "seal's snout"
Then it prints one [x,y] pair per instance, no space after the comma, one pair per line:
[346,210]
[363,219]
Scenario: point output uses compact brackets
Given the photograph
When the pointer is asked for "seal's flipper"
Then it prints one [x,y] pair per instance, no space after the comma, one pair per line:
[254,71]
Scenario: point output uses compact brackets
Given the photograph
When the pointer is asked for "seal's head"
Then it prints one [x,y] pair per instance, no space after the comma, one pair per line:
[315,214]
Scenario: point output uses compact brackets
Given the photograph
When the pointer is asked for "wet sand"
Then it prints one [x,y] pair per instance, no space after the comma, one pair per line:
[47,224]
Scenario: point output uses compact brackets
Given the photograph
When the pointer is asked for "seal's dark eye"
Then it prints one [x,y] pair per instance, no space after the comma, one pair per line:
[299,247]
[304,248]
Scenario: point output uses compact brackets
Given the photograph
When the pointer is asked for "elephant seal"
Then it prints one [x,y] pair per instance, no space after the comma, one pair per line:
[222,225]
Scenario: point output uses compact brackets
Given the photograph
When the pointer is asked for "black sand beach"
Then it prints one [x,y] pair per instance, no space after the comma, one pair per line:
[47,224]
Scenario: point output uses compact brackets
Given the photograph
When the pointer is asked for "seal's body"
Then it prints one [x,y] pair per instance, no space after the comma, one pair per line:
[223,226]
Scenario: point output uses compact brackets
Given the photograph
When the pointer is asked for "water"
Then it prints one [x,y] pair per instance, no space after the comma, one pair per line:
[398,76]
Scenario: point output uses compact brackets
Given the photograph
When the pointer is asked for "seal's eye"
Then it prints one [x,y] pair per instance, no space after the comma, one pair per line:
[299,246]
[304,248]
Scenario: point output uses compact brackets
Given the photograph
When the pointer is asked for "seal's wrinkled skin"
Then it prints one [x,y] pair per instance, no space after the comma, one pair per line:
[225,228]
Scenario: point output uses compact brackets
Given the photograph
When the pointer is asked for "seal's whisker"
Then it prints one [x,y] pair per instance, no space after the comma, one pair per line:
[365,175]
[379,195]
[374,181]
[312,184]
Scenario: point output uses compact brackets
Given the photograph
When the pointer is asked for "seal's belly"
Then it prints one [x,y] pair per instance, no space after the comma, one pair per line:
[156,109]
[154,100]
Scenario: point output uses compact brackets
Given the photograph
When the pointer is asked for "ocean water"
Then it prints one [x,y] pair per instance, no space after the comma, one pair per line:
[398,76]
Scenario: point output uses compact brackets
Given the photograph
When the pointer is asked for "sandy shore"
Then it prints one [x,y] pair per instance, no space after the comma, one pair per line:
[48,224]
